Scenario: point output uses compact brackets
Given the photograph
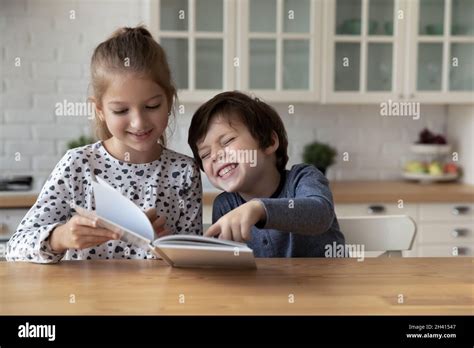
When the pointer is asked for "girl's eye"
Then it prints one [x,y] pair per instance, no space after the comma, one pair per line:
[154,106]
[120,112]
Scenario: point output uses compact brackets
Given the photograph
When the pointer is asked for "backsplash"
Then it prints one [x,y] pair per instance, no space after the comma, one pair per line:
[33,138]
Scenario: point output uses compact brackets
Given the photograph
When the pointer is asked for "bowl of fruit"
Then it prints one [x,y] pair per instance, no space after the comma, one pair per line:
[433,148]
[431,171]
[430,143]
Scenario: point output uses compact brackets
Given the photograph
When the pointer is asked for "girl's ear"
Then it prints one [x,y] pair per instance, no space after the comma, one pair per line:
[274,146]
[98,108]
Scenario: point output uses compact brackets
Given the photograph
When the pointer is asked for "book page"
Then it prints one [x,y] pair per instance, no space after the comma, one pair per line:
[113,206]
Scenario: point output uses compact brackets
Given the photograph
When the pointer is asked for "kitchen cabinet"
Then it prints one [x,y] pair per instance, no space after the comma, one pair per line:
[364,55]
[416,51]
[198,37]
[279,46]
[271,47]
[341,51]
[443,229]
[9,221]
[441,51]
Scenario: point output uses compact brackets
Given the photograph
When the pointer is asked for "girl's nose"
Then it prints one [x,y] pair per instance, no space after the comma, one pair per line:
[137,121]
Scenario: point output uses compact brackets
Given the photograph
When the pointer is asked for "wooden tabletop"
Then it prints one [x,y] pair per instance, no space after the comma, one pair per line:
[436,286]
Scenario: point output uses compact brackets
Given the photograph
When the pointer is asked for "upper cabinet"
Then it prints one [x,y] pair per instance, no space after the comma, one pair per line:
[329,51]
[198,37]
[442,46]
[364,50]
[279,47]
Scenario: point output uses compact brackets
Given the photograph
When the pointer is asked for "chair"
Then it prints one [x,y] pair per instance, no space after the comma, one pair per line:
[389,234]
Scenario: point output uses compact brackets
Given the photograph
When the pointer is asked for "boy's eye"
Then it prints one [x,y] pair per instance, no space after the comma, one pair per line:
[228,141]
[204,156]
[119,112]
[153,106]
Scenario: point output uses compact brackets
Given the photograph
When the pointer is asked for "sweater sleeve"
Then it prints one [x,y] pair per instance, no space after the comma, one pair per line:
[30,242]
[310,211]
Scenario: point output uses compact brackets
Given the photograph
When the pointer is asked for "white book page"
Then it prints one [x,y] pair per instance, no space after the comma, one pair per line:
[197,241]
[111,205]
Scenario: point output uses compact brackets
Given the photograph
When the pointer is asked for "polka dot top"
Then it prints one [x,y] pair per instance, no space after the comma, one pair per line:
[172,184]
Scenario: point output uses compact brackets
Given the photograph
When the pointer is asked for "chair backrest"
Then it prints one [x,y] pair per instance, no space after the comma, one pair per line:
[379,233]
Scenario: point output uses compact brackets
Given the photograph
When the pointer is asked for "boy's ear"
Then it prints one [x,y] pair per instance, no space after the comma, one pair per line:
[274,146]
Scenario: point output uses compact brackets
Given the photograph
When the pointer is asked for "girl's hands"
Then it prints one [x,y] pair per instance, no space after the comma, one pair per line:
[158,223]
[236,224]
[79,232]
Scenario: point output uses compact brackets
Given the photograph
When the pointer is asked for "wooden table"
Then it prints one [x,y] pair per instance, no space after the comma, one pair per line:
[433,286]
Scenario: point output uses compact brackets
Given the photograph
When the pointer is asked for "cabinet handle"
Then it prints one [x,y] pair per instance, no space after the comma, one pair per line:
[459,251]
[460,210]
[376,209]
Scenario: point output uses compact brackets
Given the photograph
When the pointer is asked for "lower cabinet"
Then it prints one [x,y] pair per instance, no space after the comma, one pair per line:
[443,229]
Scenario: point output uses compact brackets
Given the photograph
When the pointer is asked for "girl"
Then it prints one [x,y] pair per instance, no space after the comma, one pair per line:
[133,95]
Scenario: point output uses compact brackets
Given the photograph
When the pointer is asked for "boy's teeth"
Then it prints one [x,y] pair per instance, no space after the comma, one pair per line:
[227,169]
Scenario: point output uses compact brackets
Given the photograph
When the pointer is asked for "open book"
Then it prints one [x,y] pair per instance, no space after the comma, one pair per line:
[117,213]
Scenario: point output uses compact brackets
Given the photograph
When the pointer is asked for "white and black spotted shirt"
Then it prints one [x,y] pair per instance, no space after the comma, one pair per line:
[172,184]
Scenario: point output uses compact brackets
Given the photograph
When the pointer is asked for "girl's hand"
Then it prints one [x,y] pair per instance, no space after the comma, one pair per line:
[79,232]
[158,223]
[236,224]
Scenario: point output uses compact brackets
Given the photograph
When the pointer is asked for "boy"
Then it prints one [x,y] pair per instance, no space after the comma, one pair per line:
[241,145]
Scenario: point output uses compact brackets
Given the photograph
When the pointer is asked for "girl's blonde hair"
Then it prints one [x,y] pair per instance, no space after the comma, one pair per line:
[129,50]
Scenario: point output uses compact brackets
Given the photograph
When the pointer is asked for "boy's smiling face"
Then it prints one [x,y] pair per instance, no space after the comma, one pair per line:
[232,158]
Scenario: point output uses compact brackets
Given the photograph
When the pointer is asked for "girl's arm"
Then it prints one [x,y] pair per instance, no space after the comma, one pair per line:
[190,221]
[30,241]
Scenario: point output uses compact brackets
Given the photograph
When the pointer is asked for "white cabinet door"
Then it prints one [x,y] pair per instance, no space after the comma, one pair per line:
[441,63]
[363,60]
[198,37]
[279,49]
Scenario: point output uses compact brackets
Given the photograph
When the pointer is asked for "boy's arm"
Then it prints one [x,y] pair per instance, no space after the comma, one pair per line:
[311,211]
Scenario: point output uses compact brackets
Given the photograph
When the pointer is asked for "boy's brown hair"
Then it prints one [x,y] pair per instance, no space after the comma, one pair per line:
[260,119]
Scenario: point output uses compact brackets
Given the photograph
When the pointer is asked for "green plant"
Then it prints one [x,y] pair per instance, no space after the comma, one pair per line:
[320,155]
[81,141]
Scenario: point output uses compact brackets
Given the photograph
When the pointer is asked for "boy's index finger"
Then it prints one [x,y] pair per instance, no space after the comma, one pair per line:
[214,230]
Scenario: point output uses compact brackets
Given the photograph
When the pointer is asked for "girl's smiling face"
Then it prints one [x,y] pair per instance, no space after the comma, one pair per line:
[135,110]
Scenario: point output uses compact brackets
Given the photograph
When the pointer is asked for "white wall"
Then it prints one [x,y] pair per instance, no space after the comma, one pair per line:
[55,53]
[461,134]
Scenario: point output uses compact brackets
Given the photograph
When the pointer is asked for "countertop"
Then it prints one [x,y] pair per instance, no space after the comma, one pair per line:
[425,286]
[343,192]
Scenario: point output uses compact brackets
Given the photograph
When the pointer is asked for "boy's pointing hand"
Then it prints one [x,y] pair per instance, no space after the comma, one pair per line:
[236,225]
